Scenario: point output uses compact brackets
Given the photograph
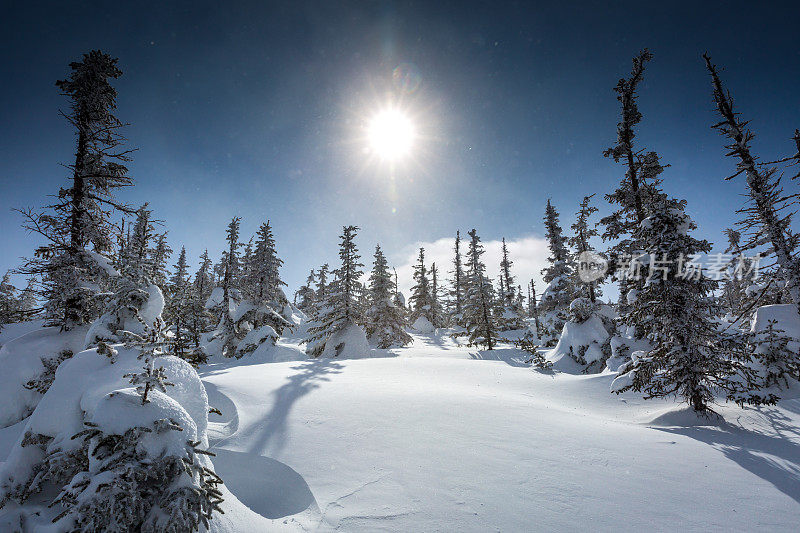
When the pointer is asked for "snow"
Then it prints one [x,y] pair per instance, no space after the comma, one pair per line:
[9,332]
[423,325]
[786,317]
[216,298]
[443,437]
[153,306]
[21,361]
[440,436]
[590,334]
[348,343]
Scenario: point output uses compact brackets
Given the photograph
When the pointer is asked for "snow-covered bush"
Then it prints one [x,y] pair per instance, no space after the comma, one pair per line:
[95,458]
[585,343]
[530,343]
[350,342]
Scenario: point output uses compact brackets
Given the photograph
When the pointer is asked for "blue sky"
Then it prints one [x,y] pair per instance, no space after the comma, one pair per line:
[257,110]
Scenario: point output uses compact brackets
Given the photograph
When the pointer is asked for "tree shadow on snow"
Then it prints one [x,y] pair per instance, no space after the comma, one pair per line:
[268,487]
[511,356]
[773,458]
[441,338]
[272,434]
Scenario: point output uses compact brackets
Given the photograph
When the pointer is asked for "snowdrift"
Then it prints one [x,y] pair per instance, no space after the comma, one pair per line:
[21,361]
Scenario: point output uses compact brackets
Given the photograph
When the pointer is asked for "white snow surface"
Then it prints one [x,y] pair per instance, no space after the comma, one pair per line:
[423,325]
[442,437]
[21,361]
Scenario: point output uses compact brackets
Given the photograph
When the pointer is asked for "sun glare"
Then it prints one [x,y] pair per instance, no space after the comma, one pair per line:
[391,134]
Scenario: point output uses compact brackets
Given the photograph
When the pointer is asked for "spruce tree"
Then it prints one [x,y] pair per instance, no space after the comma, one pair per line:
[161,255]
[178,309]
[132,288]
[557,295]
[437,316]
[77,226]
[420,300]
[479,322]
[457,292]
[9,303]
[639,187]
[676,312]
[340,307]
[322,282]
[511,311]
[579,242]
[306,294]
[265,271]
[386,322]
[533,308]
[764,217]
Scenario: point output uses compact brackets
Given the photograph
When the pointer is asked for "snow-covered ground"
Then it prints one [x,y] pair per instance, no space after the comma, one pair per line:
[437,437]
[442,437]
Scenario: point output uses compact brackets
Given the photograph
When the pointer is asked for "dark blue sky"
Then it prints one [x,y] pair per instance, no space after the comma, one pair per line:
[255,109]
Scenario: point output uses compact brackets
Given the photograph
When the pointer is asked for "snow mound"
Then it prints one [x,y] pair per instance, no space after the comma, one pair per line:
[683,416]
[579,345]
[348,343]
[423,325]
[9,332]
[21,361]
[786,317]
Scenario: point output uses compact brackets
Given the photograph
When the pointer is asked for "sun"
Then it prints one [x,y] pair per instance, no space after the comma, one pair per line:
[391,134]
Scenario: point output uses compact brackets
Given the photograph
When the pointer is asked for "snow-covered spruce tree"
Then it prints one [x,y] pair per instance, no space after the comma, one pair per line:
[741,288]
[266,286]
[306,294]
[386,323]
[77,226]
[28,304]
[134,295]
[161,255]
[557,295]
[225,332]
[579,242]
[639,186]
[533,307]
[9,302]
[199,318]
[675,311]
[438,318]
[776,363]
[763,220]
[457,291]
[149,477]
[511,312]
[420,300]
[137,465]
[250,290]
[478,319]
[322,283]
[178,310]
[339,311]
